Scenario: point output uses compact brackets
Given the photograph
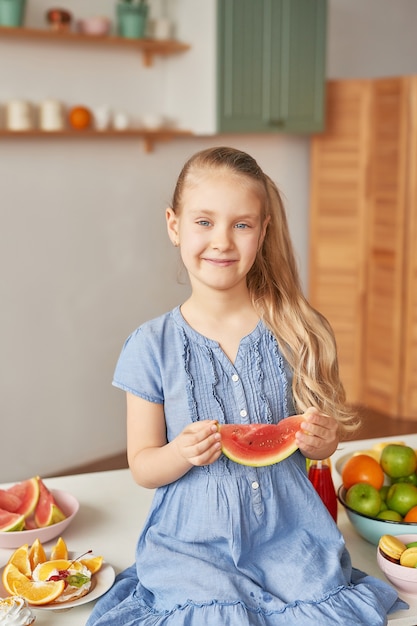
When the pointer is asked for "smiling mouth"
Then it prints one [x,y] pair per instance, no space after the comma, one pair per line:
[220,262]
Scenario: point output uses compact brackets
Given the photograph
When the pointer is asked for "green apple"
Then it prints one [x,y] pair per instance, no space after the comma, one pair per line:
[384,491]
[402,497]
[391,516]
[384,506]
[412,478]
[364,499]
[398,460]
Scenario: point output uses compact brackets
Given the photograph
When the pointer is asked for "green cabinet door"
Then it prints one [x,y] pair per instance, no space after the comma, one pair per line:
[271,65]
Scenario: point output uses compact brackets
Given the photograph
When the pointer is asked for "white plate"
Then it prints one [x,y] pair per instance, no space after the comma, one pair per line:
[342,460]
[100,583]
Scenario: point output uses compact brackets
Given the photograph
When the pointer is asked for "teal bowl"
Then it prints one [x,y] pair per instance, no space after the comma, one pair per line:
[370,528]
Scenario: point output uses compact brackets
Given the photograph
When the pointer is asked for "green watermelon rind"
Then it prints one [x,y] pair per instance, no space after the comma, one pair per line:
[15,522]
[47,511]
[260,445]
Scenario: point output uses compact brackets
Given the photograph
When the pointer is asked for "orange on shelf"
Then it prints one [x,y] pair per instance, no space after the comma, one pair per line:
[80,118]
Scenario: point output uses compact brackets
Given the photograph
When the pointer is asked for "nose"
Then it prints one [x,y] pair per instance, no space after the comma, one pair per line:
[221,239]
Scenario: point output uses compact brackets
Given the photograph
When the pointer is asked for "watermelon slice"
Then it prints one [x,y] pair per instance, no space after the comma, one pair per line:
[9,501]
[47,511]
[258,445]
[28,493]
[10,522]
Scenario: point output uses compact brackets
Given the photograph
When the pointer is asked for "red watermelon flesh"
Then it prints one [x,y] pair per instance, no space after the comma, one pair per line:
[30,523]
[10,522]
[28,493]
[47,511]
[9,501]
[258,445]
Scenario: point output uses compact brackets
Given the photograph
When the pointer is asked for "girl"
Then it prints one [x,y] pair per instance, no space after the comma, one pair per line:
[225,544]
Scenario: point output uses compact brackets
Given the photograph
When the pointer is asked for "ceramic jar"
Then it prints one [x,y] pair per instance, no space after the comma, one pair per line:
[51,115]
[19,115]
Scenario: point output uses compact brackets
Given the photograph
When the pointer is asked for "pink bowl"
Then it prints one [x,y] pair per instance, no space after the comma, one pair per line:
[95,26]
[403,578]
[69,506]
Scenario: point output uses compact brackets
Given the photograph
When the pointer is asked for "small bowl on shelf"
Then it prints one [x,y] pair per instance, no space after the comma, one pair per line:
[403,578]
[98,26]
[370,528]
[68,504]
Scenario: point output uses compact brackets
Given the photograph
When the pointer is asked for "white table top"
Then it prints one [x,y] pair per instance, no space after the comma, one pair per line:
[113,509]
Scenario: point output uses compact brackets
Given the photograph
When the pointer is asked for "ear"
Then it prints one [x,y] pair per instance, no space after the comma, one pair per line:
[172,226]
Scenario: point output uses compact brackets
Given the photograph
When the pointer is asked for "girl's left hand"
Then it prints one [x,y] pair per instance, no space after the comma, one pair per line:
[318,437]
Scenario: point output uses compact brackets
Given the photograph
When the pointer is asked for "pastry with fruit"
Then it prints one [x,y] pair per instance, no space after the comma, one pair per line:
[39,580]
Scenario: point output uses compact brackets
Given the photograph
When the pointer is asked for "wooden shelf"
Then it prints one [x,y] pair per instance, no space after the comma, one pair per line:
[148,47]
[150,137]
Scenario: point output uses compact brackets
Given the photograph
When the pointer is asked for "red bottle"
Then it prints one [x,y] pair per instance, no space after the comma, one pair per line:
[321,477]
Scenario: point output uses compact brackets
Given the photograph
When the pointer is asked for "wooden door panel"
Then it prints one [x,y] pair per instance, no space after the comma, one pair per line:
[386,222]
[408,354]
[339,165]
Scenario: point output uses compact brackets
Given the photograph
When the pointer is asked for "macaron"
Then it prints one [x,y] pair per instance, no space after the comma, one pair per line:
[391,548]
[409,557]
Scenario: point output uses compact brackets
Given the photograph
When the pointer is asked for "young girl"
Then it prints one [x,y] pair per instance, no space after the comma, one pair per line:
[225,544]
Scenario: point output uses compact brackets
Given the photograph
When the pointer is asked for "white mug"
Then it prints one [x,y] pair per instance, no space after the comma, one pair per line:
[120,121]
[102,117]
[162,28]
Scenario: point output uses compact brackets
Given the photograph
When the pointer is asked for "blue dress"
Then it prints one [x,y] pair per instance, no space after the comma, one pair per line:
[229,545]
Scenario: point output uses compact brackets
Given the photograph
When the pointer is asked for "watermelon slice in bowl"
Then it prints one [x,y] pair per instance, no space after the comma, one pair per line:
[67,504]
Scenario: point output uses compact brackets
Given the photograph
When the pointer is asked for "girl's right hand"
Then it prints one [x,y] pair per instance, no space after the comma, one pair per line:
[199,443]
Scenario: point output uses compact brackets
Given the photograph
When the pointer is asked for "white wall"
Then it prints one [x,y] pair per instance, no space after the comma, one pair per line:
[84,257]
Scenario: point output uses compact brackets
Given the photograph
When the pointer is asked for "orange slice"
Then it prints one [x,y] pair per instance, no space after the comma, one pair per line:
[36,554]
[39,592]
[45,570]
[10,576]
[20,558]
[93,564]
[59,550]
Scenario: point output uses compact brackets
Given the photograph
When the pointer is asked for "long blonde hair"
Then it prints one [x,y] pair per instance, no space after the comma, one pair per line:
[304,336]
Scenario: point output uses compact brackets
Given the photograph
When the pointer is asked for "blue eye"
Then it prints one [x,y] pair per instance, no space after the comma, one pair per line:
[203,223]
[242,226]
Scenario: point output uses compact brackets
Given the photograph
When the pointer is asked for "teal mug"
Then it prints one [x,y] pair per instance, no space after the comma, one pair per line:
[12,12]
[132,20]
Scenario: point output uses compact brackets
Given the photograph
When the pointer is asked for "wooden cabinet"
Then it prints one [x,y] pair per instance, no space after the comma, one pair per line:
[271,65]
[363,264]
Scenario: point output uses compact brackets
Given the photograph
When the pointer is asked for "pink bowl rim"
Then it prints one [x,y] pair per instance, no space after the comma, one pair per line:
[395,570]
[66,501]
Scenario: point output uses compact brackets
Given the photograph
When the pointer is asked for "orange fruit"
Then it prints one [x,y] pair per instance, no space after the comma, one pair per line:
[362,468]
[36,554]
[45,569]
[38,593]
[93,564]
[80,117]
[59,550]
[20,559]
[10,576]
[411,516]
